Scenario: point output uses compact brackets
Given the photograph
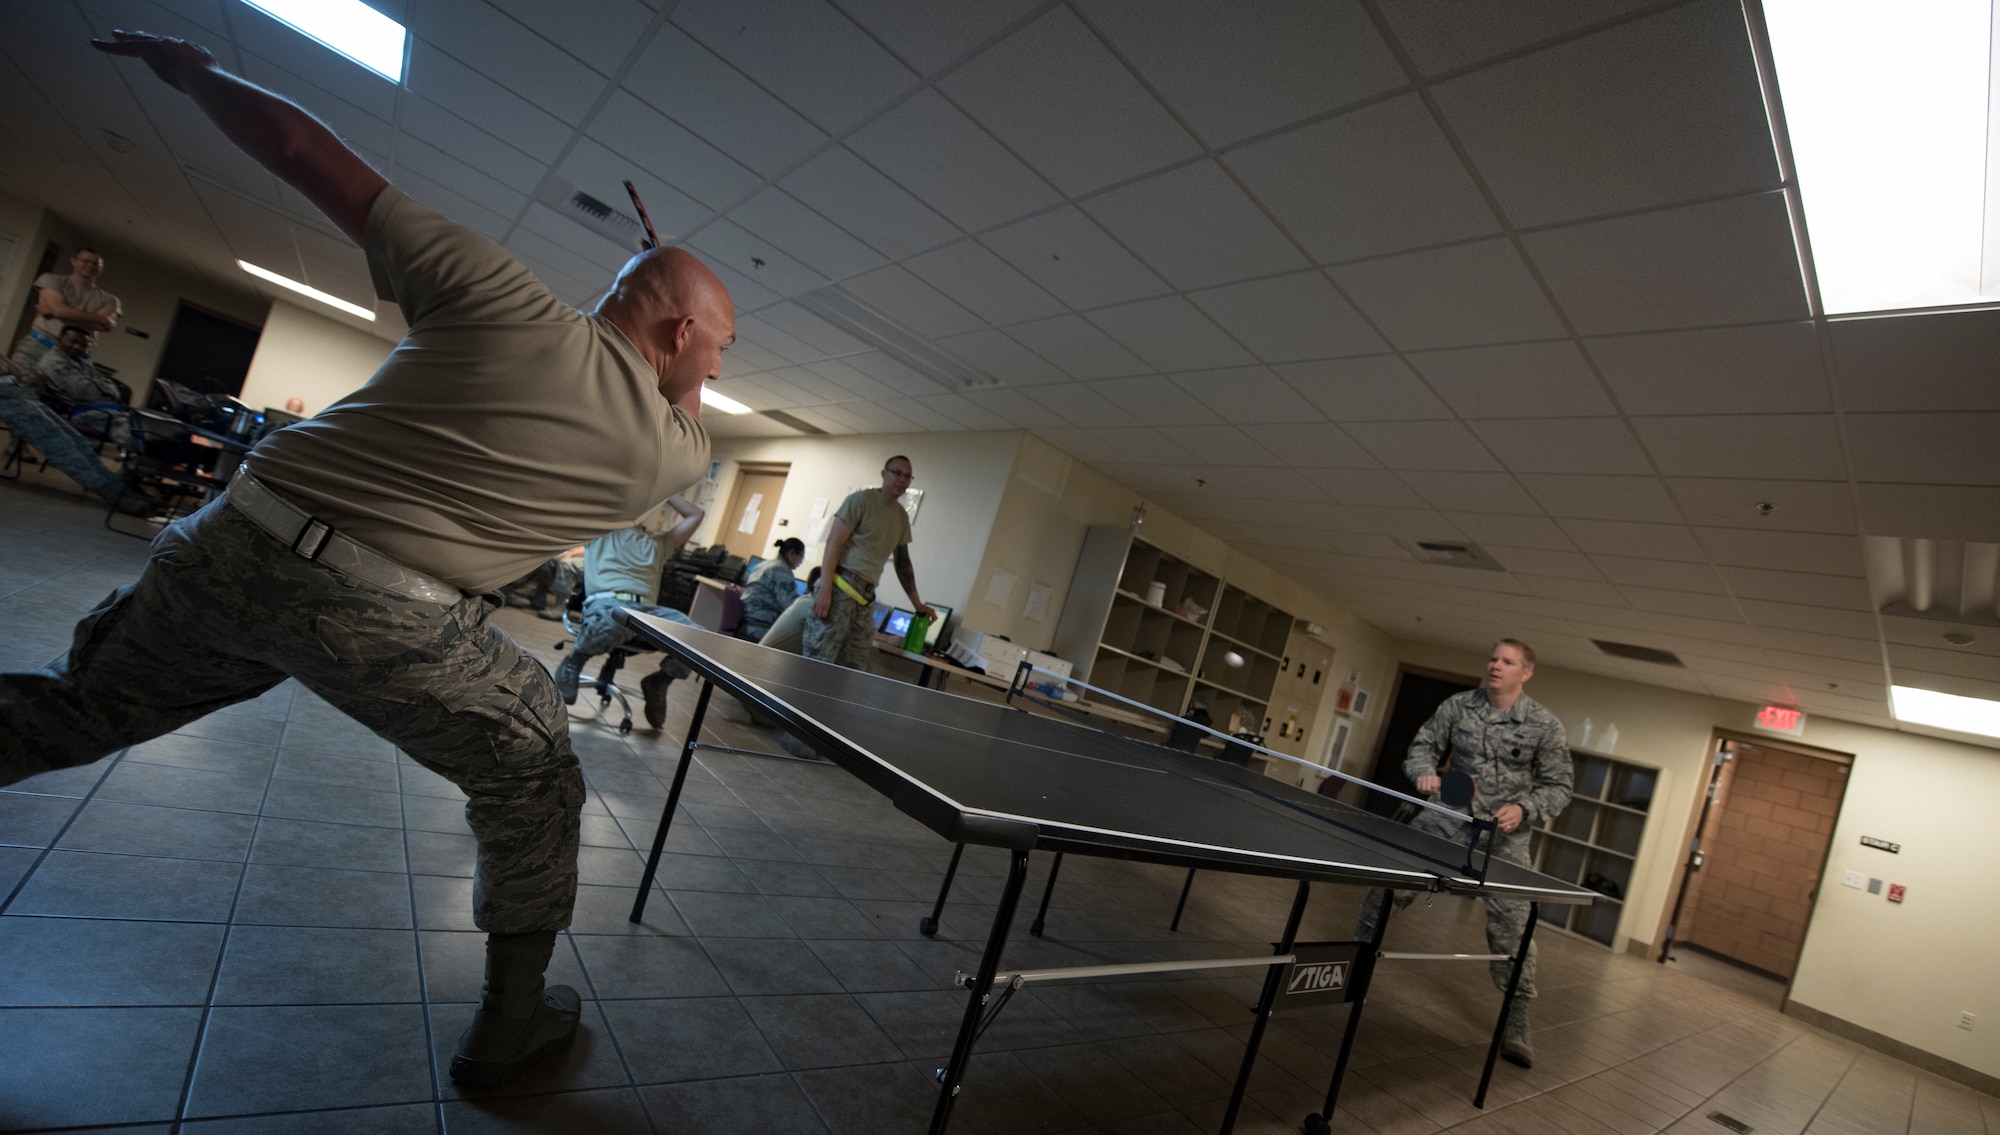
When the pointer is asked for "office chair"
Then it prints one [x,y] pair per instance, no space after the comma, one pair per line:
[606,682]
[161,458]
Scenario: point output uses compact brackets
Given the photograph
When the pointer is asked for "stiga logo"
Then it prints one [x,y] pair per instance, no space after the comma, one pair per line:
[1321,978]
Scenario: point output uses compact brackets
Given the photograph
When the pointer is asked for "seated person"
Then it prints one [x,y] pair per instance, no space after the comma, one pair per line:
[771,588]
[546,590]
[788,630]
[622,569]
[69,451]
[68,375]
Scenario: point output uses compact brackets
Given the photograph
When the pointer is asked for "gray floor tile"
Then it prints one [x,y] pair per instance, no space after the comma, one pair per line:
[640,967]
[301,800]
[609,866]
[68,1067]
[607,910]
[87,961]
[148,829]
[404,1119]
[703,873]
[715,915]
[172,787]
[441,853]
[33,821]
[436,813]
[207,754]
[235,727]
[310,767]
[820,1030]
[749,1105]
[76,781]
[872,1099]
[311,965]
[16,862]
[455,965]
[688,1039]
[320,896]
[825,918]
[442,903]
[870,966]
[611,1111]
[307,843]
[81,884]
[291,1058]
[591,1062]
[770,965]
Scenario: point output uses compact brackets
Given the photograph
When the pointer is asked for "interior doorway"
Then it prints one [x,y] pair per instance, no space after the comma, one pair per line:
[1418,694]
[1757,855]
[746,524]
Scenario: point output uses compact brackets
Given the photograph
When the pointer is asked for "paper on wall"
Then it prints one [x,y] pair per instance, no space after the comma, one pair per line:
[749,525]
[1038,602]
[1000,587]
[816,530]
[819,507]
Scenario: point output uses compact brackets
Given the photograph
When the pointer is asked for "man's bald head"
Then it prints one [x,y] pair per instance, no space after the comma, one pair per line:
[678,313]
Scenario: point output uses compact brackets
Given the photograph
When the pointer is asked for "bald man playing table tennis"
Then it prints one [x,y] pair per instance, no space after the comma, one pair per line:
[355,551]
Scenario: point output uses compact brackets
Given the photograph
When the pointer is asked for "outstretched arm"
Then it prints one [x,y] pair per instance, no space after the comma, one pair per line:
[274,131]
[691,518]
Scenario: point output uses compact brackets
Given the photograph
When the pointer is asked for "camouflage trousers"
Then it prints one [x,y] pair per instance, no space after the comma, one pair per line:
[224,611]
[841,637]
[601,631]
[1506,919]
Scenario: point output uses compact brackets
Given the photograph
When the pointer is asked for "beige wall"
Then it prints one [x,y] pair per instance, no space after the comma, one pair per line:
[305,355]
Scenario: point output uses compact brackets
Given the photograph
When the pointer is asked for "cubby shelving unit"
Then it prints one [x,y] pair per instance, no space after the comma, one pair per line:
[1595,842]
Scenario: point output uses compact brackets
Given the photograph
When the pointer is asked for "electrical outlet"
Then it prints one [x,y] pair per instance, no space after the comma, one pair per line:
[1965,1020]
[1854,879]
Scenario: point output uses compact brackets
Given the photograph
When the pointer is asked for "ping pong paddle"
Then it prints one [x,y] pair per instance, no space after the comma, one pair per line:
[1457,788]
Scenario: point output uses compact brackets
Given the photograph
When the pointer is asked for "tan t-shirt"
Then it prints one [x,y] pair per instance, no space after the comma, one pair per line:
[77,296]
[626,560]
[879,526]
[505,428]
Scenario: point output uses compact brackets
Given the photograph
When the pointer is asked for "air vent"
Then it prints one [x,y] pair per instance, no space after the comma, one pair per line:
[600,217]
[1451,553]
[799,424]
[1632,653]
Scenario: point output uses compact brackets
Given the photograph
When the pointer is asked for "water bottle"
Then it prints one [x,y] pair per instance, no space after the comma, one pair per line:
[920,626]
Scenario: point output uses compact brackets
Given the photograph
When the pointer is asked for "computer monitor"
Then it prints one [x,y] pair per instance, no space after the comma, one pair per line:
[896,624]
[936,632]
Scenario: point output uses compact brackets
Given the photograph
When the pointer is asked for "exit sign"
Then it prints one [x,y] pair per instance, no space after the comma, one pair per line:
[1781,719]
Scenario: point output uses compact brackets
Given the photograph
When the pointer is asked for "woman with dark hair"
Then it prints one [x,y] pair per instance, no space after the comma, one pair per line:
[771,588]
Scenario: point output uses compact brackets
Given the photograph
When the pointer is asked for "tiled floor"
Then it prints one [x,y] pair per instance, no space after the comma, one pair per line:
[260,924]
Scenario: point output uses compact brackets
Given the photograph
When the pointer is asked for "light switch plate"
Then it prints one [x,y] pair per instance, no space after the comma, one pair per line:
[1854,879]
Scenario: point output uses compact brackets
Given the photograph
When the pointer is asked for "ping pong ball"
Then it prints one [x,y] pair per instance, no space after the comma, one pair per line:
[1232,660]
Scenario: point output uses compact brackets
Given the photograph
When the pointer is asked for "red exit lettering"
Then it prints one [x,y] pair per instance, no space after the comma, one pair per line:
[1781,719]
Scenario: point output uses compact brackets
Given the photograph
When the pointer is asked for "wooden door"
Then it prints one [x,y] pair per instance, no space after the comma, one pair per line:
[746,526]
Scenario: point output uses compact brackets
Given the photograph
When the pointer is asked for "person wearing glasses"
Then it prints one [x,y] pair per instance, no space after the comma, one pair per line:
[870,528]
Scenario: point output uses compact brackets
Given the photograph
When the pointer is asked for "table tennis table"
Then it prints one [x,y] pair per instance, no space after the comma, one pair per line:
[978,772]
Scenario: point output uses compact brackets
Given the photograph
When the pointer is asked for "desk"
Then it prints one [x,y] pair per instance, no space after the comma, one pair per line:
[707,605]
[936,669]
[232,449]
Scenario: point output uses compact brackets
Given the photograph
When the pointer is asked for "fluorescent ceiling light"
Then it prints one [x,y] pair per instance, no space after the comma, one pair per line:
[722,402]
[307,290]
[348,26]
[1887,109]
[1946,711]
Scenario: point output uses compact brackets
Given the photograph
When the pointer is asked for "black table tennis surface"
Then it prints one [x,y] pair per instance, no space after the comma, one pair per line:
[983,773]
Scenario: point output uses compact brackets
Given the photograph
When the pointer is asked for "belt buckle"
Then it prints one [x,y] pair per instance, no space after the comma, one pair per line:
[325,536]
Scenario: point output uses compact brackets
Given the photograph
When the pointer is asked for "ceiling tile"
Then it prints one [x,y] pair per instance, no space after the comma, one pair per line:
[895,372]
[858,198]
[1512,531]
[1077,347]
[727,243]
[1842,591]
[1375,487]
[1231,240]
[1565,445]
[1081,406]
[1309,57]
[600,256]
[659,145]
[858,384]
[1156,401]
[1774,368]
[1603,498]
[1422,445]
[1451,297]
[912,303]
[1311,446]
[1938,449]
[1920,361]
[680,77]
[969,273]
[1623,538]
[1084,445]
[817,242]
[1247,394]
[1171,335]
[1003,358]
[1783,551]
[1798,617]
[1412,524]
[1798,506]
[485,103]
[1299,316]
[804,51]
[1523,380]
[431,123]
[1658,110]
[1727,261]
[821,335]
[928,34]
[1073,258]
[597,171]
[497,46]
[1797,446]
[1587,589]
[1831,646]
[933,150]
[447,172]
[1837,668]
[1375,180]
[1932,512]
[1688,603]
[1473,492]
[1060,99]
[965,412]
[1380,388]
[1225,445]
[602,41]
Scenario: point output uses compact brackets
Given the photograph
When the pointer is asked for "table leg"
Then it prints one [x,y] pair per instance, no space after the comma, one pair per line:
[673,800]
[1273,978]
[1042,915]
[1180,906]
[982,989]
[1507,1002]
[929,926]
[1321,1122]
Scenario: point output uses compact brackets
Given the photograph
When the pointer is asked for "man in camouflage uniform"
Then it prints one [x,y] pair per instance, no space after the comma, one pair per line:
[870,527]
[354,550]
[622,569]
[1515,750]
[68,373]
